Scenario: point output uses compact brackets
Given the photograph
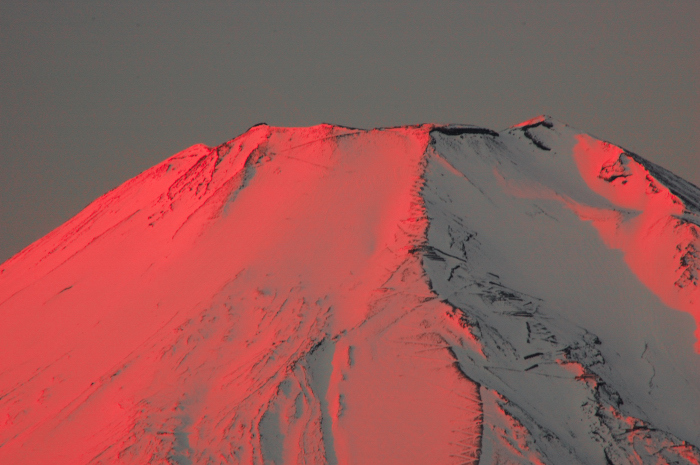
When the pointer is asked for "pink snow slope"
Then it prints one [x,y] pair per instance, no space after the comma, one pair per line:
[278,300]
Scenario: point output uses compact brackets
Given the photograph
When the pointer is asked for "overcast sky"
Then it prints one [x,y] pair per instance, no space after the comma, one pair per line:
[92,93]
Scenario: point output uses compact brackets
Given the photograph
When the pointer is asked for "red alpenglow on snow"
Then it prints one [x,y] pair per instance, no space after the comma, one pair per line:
[432,294]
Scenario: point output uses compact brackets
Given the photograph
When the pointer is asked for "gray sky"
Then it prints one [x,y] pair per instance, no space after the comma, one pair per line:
[92,93]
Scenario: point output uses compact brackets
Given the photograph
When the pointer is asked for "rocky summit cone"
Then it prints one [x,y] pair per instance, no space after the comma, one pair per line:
[430,294]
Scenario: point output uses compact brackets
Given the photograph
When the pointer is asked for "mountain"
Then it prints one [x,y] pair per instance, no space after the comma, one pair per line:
[431,294]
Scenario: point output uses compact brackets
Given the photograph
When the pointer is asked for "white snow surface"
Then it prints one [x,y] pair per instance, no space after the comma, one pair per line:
[432,294]
[541,290]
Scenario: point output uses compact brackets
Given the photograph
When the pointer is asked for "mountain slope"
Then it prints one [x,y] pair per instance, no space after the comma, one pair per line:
[424,294]
[571,335]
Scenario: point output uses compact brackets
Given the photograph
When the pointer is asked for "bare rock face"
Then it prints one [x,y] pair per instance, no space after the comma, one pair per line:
[432,294]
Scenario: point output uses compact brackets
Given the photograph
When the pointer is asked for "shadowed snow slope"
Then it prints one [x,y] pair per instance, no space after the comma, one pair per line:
[417,295]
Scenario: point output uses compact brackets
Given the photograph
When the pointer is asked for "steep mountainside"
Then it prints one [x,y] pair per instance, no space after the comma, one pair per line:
[428,295]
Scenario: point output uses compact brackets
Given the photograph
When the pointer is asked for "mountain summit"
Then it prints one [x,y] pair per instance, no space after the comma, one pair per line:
[430,294]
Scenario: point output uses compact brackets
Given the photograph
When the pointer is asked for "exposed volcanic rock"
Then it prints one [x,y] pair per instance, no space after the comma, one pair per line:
[425,294]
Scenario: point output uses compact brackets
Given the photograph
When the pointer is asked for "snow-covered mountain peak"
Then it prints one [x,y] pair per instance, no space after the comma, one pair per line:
[541,120]
[420,294]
